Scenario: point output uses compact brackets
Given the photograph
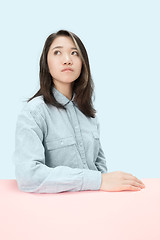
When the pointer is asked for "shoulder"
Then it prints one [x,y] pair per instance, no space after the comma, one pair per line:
[33,114]
[35,106]
[95,120]
[34,110]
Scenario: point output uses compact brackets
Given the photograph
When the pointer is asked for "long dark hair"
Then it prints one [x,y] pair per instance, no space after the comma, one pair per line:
[83,85]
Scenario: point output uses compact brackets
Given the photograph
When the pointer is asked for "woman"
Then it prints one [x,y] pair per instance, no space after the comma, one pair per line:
[57,145]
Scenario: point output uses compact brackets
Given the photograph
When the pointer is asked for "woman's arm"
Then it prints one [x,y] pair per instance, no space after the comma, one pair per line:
[29,158]
[101,160]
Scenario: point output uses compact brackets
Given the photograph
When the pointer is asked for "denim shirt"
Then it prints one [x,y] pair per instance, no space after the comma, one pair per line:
[57,150]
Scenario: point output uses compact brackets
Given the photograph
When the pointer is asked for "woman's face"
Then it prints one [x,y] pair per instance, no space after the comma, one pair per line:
[64,54]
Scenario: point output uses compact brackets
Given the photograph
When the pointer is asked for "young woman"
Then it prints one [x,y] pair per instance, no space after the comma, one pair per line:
[57,141]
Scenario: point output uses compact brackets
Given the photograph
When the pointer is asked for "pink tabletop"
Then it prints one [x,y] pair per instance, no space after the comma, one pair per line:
[91,215]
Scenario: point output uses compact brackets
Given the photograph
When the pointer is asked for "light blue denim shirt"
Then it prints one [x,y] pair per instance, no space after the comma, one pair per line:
[57,150]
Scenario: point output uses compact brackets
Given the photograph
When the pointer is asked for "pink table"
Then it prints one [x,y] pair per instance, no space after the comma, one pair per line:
[90,215]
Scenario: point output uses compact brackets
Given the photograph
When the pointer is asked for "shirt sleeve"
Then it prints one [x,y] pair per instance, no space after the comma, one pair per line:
[101,160]
[32,174]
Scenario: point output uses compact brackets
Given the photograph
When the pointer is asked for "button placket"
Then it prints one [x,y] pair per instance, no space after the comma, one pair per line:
[77,133]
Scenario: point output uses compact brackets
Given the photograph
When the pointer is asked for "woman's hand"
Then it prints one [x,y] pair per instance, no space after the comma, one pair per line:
[120,181]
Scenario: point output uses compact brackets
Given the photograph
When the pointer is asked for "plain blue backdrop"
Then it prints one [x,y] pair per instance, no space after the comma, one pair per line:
[122,40]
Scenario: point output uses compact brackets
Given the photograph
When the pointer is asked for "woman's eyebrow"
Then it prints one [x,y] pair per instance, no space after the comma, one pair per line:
[62,47]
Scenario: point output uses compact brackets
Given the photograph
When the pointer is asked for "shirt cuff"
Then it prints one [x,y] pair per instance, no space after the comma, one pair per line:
[91,180]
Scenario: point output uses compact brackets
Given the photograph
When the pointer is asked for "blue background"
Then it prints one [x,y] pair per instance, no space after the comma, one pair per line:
[122,39]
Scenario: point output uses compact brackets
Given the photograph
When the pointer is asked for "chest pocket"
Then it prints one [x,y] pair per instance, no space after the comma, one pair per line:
[62,152]
[60,143]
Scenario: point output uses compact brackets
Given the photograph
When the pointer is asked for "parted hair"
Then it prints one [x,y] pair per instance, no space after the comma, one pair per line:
[83,86]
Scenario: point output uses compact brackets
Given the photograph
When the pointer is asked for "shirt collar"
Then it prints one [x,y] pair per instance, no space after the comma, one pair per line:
[61,98]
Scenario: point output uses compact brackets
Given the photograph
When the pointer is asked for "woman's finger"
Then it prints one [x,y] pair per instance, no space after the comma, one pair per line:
[133,183]
[130,188]
[130,176]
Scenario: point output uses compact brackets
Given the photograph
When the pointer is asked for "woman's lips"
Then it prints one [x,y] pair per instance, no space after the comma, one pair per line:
[67,71]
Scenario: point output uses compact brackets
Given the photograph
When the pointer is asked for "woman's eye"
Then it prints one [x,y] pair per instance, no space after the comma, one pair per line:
[55,53]
[75,52]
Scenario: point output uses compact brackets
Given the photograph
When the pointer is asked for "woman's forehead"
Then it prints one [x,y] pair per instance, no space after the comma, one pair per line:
[63,41]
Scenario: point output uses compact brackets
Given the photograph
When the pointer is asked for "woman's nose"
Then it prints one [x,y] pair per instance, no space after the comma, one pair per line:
[67,59]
